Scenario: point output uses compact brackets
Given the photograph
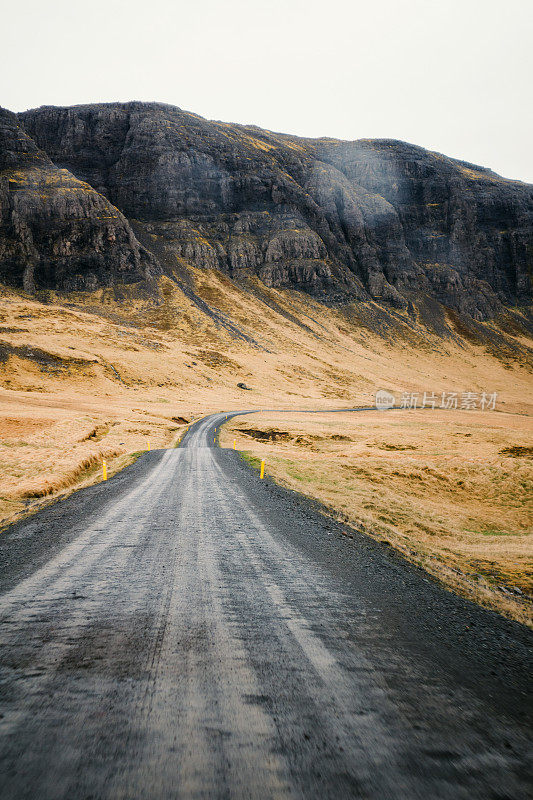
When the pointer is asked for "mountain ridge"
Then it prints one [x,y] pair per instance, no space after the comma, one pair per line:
[344,221]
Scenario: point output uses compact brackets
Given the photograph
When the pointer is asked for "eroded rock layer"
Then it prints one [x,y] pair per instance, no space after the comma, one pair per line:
[56,231]
[343,220]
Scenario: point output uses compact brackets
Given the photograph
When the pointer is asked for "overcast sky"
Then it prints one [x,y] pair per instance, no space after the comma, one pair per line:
[450,75]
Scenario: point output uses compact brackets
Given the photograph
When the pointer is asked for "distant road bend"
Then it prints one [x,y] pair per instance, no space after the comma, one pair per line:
[188,631]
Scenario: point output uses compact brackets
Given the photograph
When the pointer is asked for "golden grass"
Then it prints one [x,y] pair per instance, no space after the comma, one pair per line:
[91,376]
[452,490]
[51,446]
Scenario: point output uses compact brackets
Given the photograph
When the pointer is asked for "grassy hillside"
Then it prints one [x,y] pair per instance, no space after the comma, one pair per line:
[104,374]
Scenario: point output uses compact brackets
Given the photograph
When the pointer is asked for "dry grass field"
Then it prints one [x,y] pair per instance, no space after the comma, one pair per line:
[452,490]
[100,375]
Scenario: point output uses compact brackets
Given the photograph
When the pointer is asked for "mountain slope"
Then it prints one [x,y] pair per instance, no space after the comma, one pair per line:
[341,220]
[83,377]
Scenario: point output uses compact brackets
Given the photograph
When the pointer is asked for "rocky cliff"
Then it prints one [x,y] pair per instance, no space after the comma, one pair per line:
[56,231]
[343,220]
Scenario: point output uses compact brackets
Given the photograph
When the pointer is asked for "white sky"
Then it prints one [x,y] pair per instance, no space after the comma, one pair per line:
[451,75]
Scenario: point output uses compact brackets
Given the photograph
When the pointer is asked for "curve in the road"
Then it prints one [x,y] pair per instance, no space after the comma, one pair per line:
[187,631]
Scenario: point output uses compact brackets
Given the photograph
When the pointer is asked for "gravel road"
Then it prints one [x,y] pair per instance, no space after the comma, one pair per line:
[185,630]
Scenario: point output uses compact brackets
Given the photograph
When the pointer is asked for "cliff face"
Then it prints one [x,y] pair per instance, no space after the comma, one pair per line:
[469,232]
[55,230]
[365,219]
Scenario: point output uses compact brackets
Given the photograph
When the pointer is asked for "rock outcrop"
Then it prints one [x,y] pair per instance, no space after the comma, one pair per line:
[56,231]
[343,220]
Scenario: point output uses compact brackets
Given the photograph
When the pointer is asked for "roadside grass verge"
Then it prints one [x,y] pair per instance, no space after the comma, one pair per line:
[250,459]
[46,454]
[16,508]
[436,486]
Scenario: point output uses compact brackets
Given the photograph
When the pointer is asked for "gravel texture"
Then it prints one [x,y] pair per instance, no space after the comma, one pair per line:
[185,630]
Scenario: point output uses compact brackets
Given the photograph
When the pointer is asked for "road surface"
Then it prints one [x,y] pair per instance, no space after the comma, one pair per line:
[188,631]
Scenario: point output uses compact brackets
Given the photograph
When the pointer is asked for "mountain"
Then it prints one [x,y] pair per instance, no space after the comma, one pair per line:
[101,194]
[56,230]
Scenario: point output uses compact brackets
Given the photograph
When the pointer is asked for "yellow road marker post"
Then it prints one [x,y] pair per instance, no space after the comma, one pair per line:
[235,444]
[262,473]
[148,443]
[104,469]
